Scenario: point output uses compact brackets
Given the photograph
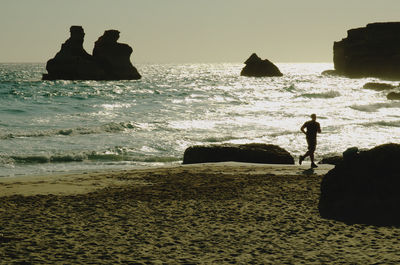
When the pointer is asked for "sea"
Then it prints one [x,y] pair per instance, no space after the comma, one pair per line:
[56,127]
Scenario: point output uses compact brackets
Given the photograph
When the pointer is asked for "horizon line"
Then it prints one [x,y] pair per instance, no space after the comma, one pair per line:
[138,63]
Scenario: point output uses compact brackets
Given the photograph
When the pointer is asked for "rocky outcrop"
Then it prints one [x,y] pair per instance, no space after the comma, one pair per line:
[250,153]
[393,96]
[330,73]
[113,57]
[72,62]
[257,67]
[378,86]
[364,188]
[372,51]
[331,160]
[348,154]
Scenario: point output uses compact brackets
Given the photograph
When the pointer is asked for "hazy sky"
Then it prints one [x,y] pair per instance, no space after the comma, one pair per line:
[163,31]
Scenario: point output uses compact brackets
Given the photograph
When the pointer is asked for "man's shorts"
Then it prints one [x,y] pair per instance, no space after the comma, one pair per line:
[312,144]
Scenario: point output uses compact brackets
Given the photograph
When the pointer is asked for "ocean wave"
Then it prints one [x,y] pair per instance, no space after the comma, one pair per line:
[290,88]
[40,159]
[89,157]
[329,94]
[382,124]
[14,111]
[111,127]
[376,106]
[278,134]
[216,139]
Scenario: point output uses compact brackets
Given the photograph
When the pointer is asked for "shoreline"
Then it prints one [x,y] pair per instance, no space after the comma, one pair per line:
[88,181]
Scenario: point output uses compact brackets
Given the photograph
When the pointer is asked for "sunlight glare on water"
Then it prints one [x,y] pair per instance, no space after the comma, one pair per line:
[96,124]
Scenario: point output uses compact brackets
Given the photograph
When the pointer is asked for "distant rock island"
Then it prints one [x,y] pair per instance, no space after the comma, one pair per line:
[110,59]
[371,51]
[257,67]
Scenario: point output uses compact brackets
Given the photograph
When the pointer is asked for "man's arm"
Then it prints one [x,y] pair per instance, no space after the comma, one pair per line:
[302,128]
[319,128]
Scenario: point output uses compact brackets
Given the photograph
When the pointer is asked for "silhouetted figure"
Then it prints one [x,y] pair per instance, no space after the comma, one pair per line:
[313,128]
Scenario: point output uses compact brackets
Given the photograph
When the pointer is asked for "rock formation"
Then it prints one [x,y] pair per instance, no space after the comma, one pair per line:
[393,96]
[72,62]
[250,153]
[330,73]
[257,67]
[364,188]
[332,160]
[372,51]
[114,57]
[378,86]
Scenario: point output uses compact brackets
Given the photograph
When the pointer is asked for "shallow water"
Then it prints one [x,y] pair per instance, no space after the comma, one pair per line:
[51,127]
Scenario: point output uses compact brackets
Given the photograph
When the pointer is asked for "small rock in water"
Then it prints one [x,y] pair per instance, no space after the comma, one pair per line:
[256,67]
[378,86]
[393,96]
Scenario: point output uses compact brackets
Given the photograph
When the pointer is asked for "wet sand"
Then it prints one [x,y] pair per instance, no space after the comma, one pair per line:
[224,213]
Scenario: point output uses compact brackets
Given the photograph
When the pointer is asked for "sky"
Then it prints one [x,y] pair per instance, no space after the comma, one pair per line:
[189,31]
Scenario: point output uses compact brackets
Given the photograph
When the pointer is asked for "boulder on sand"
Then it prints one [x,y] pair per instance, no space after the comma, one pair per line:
[330,73]
[250,153]
[72,62]
[331,160]
[364,188]
[257,67]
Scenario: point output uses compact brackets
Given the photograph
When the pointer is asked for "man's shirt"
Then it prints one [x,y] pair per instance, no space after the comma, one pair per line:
[313,128]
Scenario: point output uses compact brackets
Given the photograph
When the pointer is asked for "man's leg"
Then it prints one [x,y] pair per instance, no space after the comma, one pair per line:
[303,157]
[312,160]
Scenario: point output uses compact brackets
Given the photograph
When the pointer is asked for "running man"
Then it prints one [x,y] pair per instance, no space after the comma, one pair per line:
[313,128]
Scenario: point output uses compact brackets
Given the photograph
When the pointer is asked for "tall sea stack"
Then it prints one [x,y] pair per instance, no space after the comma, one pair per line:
[113,57]
[371,51]
[111,60]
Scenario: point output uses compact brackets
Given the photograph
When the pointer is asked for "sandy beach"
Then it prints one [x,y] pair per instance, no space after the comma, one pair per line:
[217,213]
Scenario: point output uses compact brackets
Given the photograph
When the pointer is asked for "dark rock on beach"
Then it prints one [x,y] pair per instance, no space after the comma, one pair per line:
[393,96]
[371,51]
[256,67]
[249,153]
[330,73]
[332,160]
[378,86]
[72,62]
[364,188]
[348,154]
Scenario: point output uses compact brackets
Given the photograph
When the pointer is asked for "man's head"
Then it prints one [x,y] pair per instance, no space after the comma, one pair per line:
[313,117]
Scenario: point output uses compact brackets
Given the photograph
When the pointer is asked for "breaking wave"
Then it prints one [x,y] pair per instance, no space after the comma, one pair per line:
[111,127]
[89,157]
[375,107]
[382,124]
[329,94]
